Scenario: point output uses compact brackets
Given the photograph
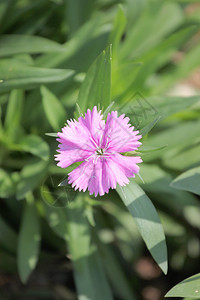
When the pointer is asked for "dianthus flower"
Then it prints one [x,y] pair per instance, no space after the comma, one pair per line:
[98,145]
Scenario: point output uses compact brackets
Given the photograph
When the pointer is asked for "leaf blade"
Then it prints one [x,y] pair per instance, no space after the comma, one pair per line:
[54,110]
[14,112]
[29,242]
[96,87]
[30,176]
[188,181]
[12,44]
[89,273]
[147,221]
[186,288]
[16,75]
[35,145]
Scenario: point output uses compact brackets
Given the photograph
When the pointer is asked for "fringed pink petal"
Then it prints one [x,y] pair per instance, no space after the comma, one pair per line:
[80,176]
[118,135]
[128,164]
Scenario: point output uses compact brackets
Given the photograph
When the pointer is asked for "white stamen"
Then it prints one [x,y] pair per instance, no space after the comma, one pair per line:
[91,139]
[87,159]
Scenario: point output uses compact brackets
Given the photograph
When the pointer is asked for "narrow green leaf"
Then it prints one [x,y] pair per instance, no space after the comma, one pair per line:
[188,181]
[118,28]
[147,221]
[108,109]
[89,36]
[183,134]
[167,106]
[54,110]
[144,112]
[30,176]
[186,66]
[153,61]
[14,112]
[16,75]
[116,273]
[29,242]
[4,9]
[149,126]
[60,195]
[56,217]
[13,44]
[143,115]
[35,145]
[157,182]
[1,125]
[7,184]
[96,86]
[189,287]
[144,149]
[147,32]
[190,62]
[29,143]
[123,78]
[183,158]
[172,226]
[89,273]
[53,134]
[78,12]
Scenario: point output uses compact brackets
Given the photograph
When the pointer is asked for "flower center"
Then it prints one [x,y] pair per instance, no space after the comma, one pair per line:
[99,151]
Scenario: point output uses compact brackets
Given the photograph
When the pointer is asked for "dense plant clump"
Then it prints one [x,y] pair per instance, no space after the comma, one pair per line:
[116,84]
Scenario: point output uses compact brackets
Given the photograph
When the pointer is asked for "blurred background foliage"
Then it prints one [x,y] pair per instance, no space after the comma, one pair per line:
[46,48]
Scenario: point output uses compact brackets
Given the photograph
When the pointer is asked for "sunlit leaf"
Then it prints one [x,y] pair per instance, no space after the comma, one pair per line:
[147,221]
[56,218]
[35,145]
[188,181]
[89,274]
[53,134]
[29,242]
[18,43]
[30,176]
[147,32]
[189,287]
[14,112]
[118,29]
[7,184]
[54,110]
[146,149]
[16,75]
[96,86]
[148,127]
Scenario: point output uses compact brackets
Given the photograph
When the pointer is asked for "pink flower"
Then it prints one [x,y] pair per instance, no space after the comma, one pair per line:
[98,145]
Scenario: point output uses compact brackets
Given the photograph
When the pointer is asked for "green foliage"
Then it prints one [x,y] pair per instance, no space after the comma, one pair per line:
[118,55]
[187,288]
[29,241]
[89,274]
[30,176]
[96,86]
[14,113]
[54,110]
[147,221]
[8,238]
[188,181]
[12,44]
[16,75]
